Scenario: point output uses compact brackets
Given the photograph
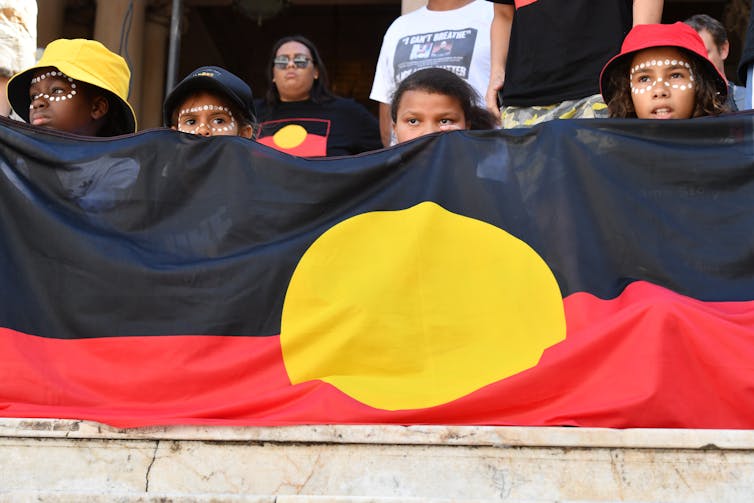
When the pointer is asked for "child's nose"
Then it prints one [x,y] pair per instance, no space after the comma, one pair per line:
[38,101]
[660,88]
[203,130]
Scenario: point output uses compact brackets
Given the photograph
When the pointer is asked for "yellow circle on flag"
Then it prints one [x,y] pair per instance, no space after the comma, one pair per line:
[290,136]
[415,308]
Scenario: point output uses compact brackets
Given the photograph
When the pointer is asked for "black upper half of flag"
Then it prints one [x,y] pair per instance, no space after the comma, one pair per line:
[166,233]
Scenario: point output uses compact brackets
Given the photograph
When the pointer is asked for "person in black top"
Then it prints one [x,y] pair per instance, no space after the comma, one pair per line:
[301,116]
[546,55]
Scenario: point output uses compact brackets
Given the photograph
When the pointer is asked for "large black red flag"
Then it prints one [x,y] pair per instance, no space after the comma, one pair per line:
[591,273]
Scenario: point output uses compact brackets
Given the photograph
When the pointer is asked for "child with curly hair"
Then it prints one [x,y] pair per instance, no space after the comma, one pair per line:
[663,72]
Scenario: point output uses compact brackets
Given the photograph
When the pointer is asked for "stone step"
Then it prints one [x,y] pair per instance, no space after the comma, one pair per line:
[63,460]
[58,497]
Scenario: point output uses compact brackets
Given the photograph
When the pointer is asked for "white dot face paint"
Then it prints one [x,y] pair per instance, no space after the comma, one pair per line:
[57,102]
[217,119]
[645,76]
[52,86]
[661,81]
[207,115]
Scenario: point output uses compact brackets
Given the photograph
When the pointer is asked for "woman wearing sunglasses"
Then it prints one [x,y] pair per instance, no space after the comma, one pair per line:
[301,116]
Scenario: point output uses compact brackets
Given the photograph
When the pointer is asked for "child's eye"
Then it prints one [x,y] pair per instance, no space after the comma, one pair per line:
[446,122]
[57,90]
[677,75]
[219,120]
[189,122]
[643,79]
[412,121]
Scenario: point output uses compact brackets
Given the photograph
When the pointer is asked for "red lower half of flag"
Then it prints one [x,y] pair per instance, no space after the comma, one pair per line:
[647,358]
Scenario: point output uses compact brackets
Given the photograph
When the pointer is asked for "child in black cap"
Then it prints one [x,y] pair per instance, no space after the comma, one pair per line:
[211,101]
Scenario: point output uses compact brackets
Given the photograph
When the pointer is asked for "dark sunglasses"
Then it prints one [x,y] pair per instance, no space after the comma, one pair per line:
[281,62]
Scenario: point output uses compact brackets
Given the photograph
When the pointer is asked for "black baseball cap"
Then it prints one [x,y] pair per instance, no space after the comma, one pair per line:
[211,78]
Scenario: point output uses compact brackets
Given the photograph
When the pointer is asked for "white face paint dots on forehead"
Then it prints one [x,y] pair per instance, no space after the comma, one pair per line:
[188,123]
[648,74]
[46,95]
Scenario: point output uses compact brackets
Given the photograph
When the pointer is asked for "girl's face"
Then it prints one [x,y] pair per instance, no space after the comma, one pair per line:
[662,84]
[294,72]
[421,112]
[206,114]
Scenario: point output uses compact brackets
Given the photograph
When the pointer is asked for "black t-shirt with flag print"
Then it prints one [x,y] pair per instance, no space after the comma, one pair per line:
[336,127]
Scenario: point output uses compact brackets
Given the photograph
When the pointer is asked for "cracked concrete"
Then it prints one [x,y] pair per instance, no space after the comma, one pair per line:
[45,459]
[149,468]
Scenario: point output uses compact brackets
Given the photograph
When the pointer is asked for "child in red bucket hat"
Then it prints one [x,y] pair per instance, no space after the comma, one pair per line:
[663,72]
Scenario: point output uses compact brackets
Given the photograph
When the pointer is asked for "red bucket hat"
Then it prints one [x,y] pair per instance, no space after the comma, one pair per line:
[678,35]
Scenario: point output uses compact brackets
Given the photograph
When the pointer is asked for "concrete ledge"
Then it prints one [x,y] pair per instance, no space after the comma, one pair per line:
[63,460]
[35,497]
[510,436]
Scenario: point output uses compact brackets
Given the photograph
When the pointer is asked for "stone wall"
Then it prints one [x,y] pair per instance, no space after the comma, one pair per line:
[60,460]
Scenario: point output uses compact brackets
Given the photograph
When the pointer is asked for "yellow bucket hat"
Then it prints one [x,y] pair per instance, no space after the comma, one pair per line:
[86,61]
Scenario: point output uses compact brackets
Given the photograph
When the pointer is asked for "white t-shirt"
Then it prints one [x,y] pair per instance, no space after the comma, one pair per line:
[457,40]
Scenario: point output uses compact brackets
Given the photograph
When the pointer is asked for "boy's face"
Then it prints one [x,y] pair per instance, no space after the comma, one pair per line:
[662,84]
[63,104]
[207,114]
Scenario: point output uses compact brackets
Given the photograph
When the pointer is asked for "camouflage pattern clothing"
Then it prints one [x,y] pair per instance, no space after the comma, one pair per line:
[591,107]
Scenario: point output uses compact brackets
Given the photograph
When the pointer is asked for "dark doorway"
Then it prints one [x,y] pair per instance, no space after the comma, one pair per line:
[348,38]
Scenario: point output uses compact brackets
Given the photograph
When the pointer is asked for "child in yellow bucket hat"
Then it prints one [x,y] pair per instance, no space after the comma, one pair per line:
[78,86]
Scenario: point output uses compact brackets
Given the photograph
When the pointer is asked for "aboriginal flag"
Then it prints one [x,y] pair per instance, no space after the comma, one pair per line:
[303,137]
[582,272]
